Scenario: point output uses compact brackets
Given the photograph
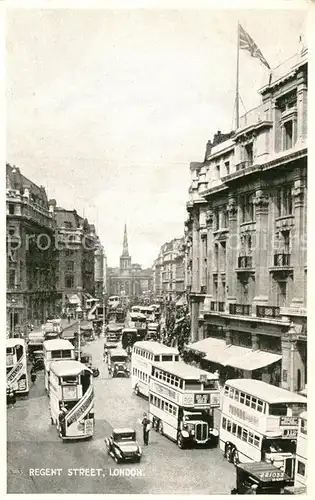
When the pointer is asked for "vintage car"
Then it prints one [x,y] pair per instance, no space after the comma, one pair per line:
[118,363]
[259,478]
[86,359]
[122,445]
[38,360]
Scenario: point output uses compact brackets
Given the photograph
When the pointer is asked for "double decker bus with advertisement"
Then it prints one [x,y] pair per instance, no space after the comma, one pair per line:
[144,354]
[71,399]
[181,403]
[259,422]
[16,366]
[55,350]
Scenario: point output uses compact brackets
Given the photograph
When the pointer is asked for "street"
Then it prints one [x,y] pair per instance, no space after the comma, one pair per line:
[33,443]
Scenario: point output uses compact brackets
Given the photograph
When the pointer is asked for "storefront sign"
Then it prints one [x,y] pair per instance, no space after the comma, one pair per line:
[288,421]
[243,415]
[165,391]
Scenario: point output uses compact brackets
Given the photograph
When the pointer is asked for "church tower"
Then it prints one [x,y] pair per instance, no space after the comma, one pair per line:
[125,259]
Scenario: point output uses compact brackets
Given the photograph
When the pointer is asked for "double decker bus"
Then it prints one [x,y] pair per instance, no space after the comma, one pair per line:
[138,321]
[16,365]
[144,354]
[300,476]
[148,312]
[181,403]
[54,350]
[259,422]
[71,399]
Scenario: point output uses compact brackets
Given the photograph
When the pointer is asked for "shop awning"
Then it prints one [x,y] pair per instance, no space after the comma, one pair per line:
[253,360]
[211,348]
[73,299]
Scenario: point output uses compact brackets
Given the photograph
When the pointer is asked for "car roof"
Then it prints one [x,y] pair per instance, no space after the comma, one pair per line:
[123,430]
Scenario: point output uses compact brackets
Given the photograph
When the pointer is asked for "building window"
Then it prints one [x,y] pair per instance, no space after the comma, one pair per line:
[69,265]
[247,208]
[288,135]
[217,170]
[67,224]
[11,208]
[227,167]
[216,220]
[249,153]
[223,255]
[216,256]
[282,293]
[215,288]
[12,278]
[225,218]
[69,281]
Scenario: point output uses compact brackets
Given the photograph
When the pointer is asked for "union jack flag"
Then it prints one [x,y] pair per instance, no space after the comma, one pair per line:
[247,43]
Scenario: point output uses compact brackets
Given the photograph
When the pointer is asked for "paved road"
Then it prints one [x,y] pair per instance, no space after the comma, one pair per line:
[33,443]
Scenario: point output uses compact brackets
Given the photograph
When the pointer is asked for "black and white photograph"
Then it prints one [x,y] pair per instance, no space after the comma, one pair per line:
[156,249]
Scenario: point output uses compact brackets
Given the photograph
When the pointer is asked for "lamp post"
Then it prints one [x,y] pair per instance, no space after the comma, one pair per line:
[293,339]
[103,325]
[12,318]
[79,311]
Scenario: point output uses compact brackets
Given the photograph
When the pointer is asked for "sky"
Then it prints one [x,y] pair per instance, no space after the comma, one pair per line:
[106,108]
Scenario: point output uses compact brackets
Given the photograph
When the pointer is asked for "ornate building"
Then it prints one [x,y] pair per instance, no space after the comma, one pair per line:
[129,279]
[31,252]
[169,271]
[246,239]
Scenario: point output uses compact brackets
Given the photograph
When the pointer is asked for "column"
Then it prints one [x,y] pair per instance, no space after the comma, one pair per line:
[262,248]
[231,251]
[299,239]
[301,109]
[194,319]
[209,222]
[195,252]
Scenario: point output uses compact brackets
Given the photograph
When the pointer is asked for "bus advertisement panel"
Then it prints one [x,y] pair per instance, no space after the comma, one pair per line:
[16,365]
[259,423]
[181,403]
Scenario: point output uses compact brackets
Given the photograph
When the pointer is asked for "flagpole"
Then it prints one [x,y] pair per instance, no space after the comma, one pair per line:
[237,102]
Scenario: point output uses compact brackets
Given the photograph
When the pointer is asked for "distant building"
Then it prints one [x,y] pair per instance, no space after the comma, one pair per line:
[128,280]
[31,255]
[246,239]
[99,271]
[77,245]
[169,271]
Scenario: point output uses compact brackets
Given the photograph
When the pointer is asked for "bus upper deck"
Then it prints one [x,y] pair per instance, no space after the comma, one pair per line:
[16,365]
[57,349]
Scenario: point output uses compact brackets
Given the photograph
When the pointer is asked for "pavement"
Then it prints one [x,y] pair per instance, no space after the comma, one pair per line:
[33,443]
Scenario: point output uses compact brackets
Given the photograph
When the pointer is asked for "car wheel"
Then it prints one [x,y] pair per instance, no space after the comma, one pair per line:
[136,390]
[228,452]
[160,427]
[180,442]
[235,457]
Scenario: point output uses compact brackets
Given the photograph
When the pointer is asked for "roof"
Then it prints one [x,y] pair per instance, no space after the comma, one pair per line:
[55,344]
[266,392]
[156,347]
[264,472]
[118,352]
[68,367]
[184,371]
[14,342]
[121,430]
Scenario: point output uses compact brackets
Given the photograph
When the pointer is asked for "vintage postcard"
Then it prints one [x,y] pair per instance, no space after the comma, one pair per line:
[156,248]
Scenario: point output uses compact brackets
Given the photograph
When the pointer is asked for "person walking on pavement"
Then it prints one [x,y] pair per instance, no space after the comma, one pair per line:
[33,375]
[146,429]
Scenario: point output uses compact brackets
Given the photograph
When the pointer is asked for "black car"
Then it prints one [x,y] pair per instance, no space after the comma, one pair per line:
[122,445]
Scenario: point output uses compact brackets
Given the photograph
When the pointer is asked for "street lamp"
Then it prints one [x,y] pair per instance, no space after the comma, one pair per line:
[12,318]
[79,311]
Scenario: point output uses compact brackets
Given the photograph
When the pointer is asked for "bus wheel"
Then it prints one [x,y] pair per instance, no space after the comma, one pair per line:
[136,390]
[235,457]
[160,427]
[228,452]
[180,441]
[52,421]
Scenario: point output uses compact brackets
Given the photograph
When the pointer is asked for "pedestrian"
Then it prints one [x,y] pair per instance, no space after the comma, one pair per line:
[69,318]
[33,375]
[62,420]
[146,429]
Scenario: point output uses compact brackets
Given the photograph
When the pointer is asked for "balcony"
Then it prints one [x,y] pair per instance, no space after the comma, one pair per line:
[281,260]
[242,165]
[245,262]
[268,312]
[240,309]
[217,306]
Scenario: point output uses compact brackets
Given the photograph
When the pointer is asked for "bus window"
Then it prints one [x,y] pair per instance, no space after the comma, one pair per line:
[229,426]
[223,423]
[69,379]
[278,409]
[234,428]
[242,398]
[19,351]
[247,400]
[244,435]
[226,390]
[167,357]
[176,358]
[260,406]
[239,431]
[231,392]
[253,403]
[156,358]
[236,395]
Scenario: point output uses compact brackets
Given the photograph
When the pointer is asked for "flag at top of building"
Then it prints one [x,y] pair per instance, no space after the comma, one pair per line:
[246,42]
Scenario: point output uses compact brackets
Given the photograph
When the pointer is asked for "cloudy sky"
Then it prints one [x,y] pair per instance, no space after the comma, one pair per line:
[107,108]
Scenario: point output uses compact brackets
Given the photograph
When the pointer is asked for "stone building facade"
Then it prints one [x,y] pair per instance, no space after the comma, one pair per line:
[169,271]
[128,280]
[31,253]
[245,239]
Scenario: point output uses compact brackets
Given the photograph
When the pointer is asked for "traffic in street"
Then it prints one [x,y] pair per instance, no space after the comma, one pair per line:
[40,462]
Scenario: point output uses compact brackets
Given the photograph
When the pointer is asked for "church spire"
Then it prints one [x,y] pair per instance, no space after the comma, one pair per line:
[125,245]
